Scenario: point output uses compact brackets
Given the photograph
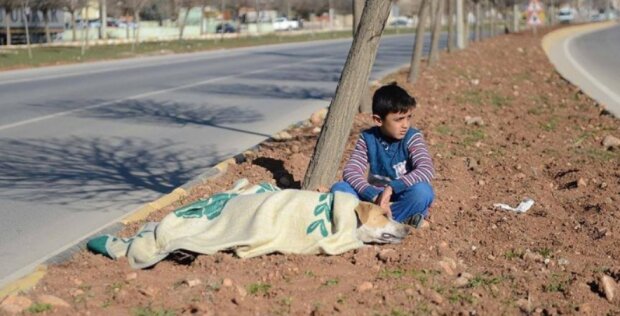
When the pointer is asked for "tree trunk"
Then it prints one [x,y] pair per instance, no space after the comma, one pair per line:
[46,23]
[451,10]
[354,79]
[418,44]
[27,30]
[434,53]
[182,24]
[478,25]
[103,17]
[74,26]
[7,26]
[358,8]
[222,24]
[202,18]
[85,39]
[136,29]
[493,27]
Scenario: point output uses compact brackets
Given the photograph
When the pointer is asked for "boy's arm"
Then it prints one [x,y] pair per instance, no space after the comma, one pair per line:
[423,170]
[355,172]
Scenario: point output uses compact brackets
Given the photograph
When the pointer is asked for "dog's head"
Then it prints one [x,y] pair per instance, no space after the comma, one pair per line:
[375,227]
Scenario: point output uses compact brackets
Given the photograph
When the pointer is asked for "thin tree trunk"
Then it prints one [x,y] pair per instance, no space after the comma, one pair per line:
[434,53]
[478,25]
[493,27]
[467,32]
[46,22]
[74,26]
[223,3]
[333,138]
[257,17]
[7,26]
[202,18]
[85,39]
[451,11]
[418,44]
[182,24]
[136,29]
[27,30]
[358,8]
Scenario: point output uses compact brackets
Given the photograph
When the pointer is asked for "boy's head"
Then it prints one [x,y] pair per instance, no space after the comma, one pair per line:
[391,110]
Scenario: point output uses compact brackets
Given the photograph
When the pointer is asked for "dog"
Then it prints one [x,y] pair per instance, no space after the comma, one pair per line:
[375,227]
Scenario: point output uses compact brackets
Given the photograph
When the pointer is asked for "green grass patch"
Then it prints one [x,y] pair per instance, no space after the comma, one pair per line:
[148,311]
[36,308]
[443,129]
[457,297]
[550,125]
[392,273]
[545,252]
[599,154]
[473,97]
[18,57]
[330,282]
[513,254]
[485,281]
[557,284]
[259,288]
[498,100]
[472,136]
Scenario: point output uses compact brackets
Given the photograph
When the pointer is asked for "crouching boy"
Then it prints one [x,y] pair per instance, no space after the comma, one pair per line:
[400,165]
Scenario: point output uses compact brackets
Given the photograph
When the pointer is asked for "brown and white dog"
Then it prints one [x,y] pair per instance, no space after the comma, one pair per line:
[374,226]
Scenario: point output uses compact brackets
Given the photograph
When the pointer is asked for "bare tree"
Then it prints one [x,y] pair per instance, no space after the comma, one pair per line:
[26,9]
[187,4]
[416,57]
[333,138]
[478,25]
[9,6]
[73,6]
[46,7]
[434,52]
[451,14]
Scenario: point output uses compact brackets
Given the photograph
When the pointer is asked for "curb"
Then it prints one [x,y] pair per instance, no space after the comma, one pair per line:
[552,38]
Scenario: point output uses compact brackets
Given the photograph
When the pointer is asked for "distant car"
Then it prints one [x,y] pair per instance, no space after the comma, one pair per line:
[566,15]
[402,21]
[225,28]
[284,24]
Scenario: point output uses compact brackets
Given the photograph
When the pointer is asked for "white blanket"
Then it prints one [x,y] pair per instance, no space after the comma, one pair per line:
[260,220]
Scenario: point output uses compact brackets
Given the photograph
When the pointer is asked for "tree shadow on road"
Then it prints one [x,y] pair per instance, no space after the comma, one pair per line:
[62,171]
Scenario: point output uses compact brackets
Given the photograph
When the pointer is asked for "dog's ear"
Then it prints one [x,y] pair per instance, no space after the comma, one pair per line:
[363,211]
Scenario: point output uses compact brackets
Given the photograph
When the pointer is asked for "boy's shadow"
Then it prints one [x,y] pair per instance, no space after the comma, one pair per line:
[284,179]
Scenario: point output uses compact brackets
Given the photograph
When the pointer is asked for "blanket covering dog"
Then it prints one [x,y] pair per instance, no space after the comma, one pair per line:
[260,220]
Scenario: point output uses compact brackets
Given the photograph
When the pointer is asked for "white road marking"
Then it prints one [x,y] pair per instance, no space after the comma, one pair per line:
[152,93]
[614,96]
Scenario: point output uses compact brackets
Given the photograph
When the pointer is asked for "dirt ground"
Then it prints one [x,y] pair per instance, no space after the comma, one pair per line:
[540,138]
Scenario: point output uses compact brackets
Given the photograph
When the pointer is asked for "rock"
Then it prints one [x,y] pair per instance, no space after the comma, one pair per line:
[365,286]
[76,292]
[466,275]
[446,267]
[282,136]
[491,257]
[227,282]
[585,309]
[131,276]
[520,50]
[295,148]
[434,297]
[581,183]
[192,282]
[317,118]
[410,292]
[387,255]
[524,305]
[562,262]
[472,164]
[532,256]
[15,304]
[476,120]
[149,291]
[461,282]
[242,292]
[603,185]
[481,182]
[475,82]
[316,130]
[611,142]
[52,300]
[608,286]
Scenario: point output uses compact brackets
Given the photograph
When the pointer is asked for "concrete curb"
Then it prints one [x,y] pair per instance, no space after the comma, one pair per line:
[554,37]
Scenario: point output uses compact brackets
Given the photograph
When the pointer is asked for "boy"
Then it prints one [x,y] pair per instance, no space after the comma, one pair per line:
[400,165]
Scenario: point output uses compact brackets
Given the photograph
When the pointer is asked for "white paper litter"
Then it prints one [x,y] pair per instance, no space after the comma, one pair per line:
[521,208]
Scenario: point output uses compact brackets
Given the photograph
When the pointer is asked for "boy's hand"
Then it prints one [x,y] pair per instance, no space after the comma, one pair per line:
[383,200]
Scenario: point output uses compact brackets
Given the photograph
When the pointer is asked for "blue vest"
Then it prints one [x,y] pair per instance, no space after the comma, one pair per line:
[387,158]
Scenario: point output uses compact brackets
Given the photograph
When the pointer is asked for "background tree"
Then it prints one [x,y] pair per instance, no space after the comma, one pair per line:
[418,44]
[25,8]
[436,34]
[451,13]
[358,8]
[9,6]
[73,6]
[46,7]
[182,20]
[354,78]
[478,25]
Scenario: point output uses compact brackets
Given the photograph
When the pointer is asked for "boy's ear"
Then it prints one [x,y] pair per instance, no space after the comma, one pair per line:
[377,119]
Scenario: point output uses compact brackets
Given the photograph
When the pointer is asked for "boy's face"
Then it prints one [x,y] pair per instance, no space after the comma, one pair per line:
[394,125]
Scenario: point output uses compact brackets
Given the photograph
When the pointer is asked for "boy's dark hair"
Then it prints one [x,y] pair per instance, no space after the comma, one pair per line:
[391,99]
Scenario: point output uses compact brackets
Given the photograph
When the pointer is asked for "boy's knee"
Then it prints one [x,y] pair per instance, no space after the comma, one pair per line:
[342,186]
[422,192]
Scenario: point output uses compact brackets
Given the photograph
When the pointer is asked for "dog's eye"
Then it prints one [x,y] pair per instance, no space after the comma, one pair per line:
[387,236]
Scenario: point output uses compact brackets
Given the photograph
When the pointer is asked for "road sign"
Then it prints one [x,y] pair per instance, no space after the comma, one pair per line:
[534,10]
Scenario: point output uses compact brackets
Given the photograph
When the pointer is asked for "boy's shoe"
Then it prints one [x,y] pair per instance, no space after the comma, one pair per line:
[416,221]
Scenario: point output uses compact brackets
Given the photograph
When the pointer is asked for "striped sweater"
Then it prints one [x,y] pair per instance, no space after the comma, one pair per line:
[398,164]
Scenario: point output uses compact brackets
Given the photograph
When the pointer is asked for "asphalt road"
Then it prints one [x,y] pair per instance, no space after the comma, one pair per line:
[597,53]
[82,145]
